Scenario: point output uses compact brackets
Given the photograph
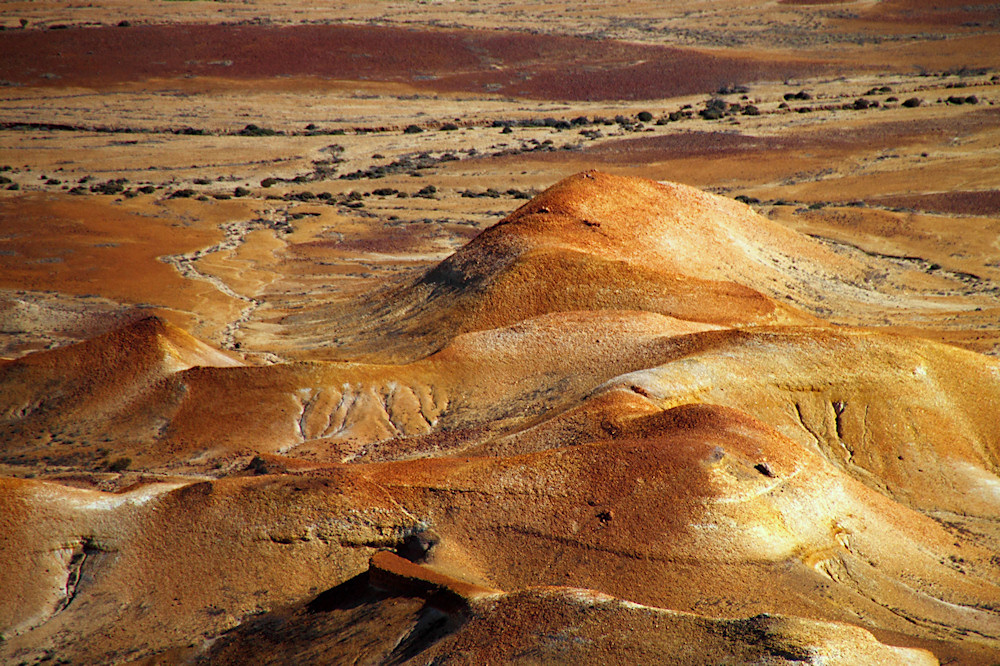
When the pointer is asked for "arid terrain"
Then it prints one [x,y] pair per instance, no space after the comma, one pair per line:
[510,332]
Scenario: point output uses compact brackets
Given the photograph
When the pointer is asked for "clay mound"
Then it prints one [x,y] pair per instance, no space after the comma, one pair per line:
[443,620]
[141,346]
[702,509]
[326,411]
[909,417]
[594,242]
[162,566]
[55,396]
[518,389]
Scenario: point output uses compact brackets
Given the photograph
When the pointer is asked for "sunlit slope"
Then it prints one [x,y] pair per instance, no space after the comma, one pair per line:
[448,621]
[699,509]
[595,241]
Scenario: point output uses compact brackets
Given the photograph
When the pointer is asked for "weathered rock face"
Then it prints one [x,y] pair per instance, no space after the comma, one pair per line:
[595,433]
[418,615]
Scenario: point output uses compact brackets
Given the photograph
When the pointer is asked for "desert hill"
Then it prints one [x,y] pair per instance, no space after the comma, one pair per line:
[465,332]
[619,404]
[541,625]
[700,494]
[597,241]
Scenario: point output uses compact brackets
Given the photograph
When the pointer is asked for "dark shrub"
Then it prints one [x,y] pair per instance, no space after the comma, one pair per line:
[412,129]
[913,102]
[268,182]
[254,130]
[645,116]
[116,186]
[449,127]
[119,465]
[241,191]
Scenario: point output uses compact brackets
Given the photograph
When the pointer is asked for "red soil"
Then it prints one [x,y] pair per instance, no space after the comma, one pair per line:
[711,144]
[956,203]
[525,65]
[933,13]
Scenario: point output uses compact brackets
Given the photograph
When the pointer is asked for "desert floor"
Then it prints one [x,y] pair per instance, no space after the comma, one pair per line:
[230,232]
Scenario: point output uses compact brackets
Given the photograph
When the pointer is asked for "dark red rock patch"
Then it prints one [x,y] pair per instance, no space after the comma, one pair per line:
[955,203]
[508,63]
[729,144]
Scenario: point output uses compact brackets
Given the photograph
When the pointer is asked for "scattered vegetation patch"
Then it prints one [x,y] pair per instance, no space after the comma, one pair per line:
[116,186]
[862,103]
[255,130]
[492,193]
[957,99]
[119,464]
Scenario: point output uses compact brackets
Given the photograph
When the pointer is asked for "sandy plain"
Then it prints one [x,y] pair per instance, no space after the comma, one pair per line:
[631,331]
